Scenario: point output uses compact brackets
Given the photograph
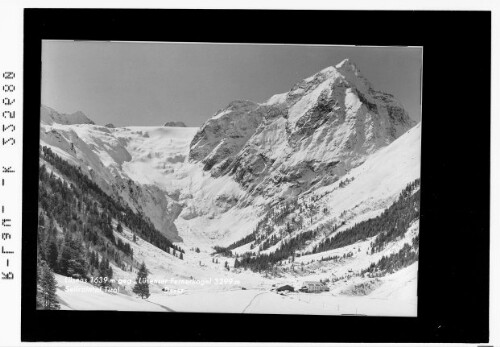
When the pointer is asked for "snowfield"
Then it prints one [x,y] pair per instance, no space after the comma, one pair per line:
[198,285]
[265,302]
[396,297]
[82,296]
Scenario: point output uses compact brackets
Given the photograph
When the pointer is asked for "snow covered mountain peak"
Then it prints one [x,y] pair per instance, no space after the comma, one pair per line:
[347,64]
[50,116]
[345,73]
[353,75]
[325,125]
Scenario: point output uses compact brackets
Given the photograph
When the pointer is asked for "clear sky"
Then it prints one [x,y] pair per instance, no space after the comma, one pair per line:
[152,83]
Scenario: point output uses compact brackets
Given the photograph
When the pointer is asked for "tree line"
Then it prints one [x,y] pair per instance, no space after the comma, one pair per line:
[263,262]
[391,224]
[406,256]
[81,185]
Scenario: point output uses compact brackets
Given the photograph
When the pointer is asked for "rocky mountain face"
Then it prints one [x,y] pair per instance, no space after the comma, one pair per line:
[310,136]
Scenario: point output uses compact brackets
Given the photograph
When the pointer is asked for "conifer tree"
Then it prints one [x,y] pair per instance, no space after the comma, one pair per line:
[64,260]
[52,255]
[46,288]
[72,262]
[141,287]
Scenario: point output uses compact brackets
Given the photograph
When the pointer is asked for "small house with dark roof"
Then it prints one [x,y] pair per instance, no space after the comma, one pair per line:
[285,288]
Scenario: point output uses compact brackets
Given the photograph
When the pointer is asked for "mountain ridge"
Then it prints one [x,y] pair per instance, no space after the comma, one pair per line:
[334,115]
[50,116]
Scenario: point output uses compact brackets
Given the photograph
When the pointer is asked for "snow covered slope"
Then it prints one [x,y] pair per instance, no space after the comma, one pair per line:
[199,285]
[81,296]
[105,153]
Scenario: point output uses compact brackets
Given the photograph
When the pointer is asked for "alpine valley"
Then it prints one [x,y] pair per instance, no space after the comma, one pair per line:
[317,187]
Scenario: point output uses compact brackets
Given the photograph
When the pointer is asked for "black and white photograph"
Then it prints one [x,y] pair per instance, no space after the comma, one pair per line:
[229,178]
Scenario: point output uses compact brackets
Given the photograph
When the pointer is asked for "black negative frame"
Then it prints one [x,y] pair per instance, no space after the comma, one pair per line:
[453,284]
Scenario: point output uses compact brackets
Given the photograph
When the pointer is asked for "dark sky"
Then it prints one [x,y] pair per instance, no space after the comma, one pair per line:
[151,83]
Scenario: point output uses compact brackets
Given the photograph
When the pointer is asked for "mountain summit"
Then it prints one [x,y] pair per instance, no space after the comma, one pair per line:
[313,134]
[175,124]
[50,116]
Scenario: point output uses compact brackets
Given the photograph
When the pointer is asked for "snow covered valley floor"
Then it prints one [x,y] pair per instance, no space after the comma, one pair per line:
[395,297]
[199,285]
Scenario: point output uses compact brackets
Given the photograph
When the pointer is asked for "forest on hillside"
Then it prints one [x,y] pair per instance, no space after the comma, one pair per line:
[389,226]
[76,223]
